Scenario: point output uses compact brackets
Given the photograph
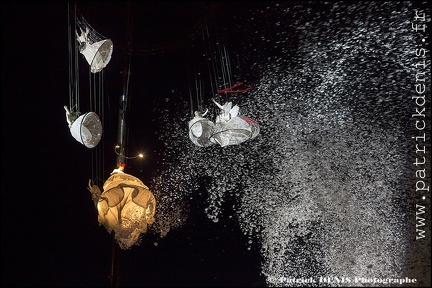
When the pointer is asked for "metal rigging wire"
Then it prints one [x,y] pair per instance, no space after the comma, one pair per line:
[97,105]
[216,63]
[73,62]
[121,133]
[96,85]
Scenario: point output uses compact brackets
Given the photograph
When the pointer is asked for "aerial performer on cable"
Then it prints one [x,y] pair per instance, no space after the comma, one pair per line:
[86,128]
[232,128]
[96,49]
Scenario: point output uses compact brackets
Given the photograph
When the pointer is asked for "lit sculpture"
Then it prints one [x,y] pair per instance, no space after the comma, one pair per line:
[125,206]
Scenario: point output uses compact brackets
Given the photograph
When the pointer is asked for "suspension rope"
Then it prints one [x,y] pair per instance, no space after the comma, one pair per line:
[97,105]
[208,55]
[224,70]
[70,55]
[224,64]
[96,98]
[73,63]
[122,135]
[215,61]
[190,90]
[200,93]
[220,74]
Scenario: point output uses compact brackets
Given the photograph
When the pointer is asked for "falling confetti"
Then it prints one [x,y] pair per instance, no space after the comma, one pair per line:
[323,189]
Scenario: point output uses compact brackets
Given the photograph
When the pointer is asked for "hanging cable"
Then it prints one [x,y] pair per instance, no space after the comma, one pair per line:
[200,93]
[121,133]
[221,69]
[225,65]
[192,110]
[97,105]
[197,87]
[210,62]
[217,58]
[70,55]
[212,68]
[73,62]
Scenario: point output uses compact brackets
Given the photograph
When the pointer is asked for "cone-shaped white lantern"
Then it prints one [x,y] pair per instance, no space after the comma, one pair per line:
[96,50]
[200,130]
[98,54]
[86,129]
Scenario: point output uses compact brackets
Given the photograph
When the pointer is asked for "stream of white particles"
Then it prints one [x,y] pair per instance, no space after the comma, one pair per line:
[322,189]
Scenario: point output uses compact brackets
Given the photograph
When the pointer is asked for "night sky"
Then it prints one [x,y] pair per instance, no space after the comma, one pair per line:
[50,233]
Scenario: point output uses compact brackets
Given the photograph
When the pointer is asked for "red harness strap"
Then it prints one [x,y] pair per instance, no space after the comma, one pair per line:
[231,89]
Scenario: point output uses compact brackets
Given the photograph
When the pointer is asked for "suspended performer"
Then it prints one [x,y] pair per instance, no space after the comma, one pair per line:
[86,129]
[231,128]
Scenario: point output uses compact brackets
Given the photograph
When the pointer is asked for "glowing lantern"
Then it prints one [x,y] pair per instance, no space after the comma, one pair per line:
[126,206]
[86,129]
[200,130]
